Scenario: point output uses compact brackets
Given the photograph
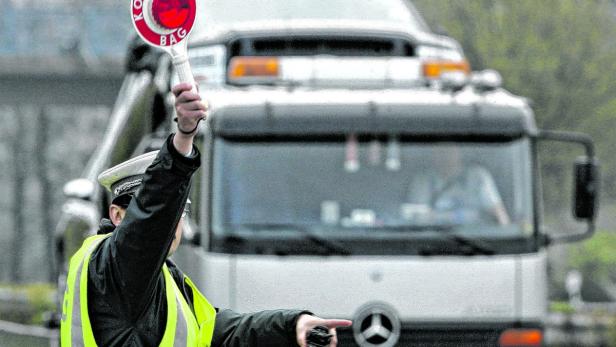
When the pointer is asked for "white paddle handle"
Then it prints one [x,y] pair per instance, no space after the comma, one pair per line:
[182,66]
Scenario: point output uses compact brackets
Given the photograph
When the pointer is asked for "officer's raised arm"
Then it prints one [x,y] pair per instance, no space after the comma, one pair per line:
[147,206]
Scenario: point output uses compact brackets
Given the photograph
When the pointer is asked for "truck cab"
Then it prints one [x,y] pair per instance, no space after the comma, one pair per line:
[379,206]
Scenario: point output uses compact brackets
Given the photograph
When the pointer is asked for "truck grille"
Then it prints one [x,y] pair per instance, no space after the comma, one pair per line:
[327,45]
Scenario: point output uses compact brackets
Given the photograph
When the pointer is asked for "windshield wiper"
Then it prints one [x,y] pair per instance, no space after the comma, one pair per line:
[331,247]
[465,244]
[473,246]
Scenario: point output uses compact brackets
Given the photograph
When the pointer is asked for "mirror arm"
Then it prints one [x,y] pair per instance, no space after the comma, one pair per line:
[586,141]
[569,136]
[556,239]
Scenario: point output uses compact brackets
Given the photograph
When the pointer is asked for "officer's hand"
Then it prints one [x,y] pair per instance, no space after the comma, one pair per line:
[306,322]
[189,107]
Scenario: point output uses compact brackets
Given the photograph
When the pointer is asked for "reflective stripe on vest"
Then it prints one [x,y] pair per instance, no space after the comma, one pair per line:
[182,328]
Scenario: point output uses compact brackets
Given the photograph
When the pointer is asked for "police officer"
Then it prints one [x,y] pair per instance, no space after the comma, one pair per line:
[122,290]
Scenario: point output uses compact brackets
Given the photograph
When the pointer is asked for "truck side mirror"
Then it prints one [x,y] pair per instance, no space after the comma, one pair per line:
[586,188]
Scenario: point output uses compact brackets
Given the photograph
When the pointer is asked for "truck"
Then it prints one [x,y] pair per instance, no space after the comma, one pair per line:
[305,201]
[307,194]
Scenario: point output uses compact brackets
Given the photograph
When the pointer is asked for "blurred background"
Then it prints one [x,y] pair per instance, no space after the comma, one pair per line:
[61,66]
[62,63]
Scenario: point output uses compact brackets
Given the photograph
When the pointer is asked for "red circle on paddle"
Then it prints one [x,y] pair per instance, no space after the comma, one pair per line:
[170,20]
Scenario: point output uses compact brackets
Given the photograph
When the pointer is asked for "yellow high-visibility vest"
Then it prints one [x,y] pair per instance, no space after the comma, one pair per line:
[183,328]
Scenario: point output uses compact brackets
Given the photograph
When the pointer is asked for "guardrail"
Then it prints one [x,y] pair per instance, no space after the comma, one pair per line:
[579,330]
[19,335]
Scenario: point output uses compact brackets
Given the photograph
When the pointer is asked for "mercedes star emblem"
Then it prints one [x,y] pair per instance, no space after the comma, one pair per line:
[377,326]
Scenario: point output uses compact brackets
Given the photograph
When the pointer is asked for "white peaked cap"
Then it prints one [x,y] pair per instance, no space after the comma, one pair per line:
[126,177]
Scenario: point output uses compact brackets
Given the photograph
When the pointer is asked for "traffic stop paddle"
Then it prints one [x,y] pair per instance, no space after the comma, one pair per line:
[166,24]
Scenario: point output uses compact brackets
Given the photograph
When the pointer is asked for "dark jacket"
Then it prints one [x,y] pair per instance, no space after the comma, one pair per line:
[126,295]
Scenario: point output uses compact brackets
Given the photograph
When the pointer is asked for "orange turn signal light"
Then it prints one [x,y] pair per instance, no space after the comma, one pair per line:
[434,69]
[521,338]
[240,67]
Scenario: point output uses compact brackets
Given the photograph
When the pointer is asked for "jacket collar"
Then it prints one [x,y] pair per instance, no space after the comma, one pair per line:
[105,227]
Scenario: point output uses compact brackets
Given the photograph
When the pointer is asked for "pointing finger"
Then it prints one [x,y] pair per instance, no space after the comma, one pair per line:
[336,323]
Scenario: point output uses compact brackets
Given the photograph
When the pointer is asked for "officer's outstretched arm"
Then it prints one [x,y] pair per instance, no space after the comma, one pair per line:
[269,328]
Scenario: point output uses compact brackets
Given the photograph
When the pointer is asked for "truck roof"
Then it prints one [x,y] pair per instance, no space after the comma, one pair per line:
[217,18]
[322,27]
[424,112]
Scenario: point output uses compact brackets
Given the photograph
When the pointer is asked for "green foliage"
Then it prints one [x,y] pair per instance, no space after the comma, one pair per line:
[611,333]
[559,53]
[596,256]
[40,297]
[561,307]
[29,304]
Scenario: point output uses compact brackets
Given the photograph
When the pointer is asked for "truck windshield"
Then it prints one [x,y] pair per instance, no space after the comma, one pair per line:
[381,187]
[222,13]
